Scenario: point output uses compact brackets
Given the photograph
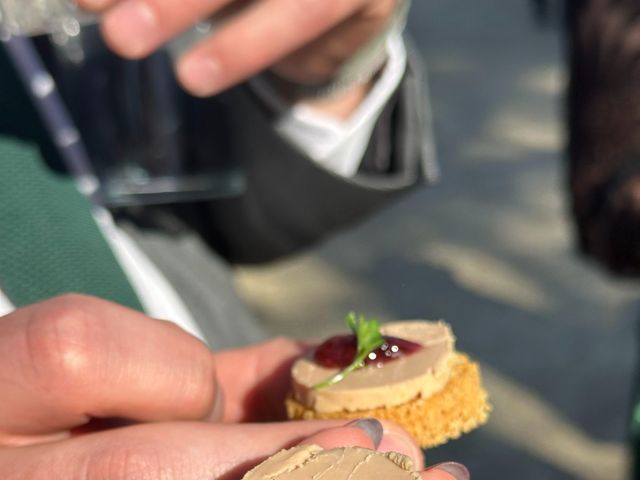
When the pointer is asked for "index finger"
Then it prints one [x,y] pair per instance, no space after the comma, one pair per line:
[256,379]
[263,34]
[72,358]
[135,28]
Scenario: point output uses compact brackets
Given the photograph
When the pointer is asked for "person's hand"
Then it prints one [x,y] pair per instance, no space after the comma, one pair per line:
[75,362]
[305,41]
[196,451]
[74,359]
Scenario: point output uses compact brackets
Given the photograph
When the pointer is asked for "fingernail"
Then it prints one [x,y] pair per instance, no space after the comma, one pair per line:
[456,470]
[200,75]
[217,413]
[372,427]
[131,28]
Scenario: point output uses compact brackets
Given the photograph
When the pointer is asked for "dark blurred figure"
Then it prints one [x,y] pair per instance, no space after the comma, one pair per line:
[604,129]
[603,113]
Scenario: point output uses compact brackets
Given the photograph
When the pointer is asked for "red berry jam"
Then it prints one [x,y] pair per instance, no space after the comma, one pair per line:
[339,351]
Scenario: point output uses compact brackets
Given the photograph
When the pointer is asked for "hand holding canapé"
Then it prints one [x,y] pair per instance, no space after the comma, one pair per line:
[93,390]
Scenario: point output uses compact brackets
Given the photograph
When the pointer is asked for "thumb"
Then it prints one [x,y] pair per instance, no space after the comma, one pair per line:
[373,434]
[387,437]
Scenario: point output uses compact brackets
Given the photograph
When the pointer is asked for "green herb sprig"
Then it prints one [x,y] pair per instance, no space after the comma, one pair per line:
[368,339]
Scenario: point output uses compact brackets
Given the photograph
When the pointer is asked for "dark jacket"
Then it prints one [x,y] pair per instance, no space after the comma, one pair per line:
[289,202]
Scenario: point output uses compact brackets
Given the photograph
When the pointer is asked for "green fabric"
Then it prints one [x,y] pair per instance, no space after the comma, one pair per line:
[49,242]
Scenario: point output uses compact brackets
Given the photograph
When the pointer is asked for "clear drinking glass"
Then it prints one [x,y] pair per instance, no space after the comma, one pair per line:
[35,17]
[147,141]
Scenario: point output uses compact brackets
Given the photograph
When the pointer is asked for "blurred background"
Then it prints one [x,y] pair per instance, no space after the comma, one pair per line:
[490,250]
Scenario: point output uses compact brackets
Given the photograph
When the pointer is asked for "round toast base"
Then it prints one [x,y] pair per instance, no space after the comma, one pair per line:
[458,408]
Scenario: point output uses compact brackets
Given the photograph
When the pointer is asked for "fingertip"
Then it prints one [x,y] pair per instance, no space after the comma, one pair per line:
[200,75]
[347,436]
[447,471]
[130,29]
[436,475]
[372,427]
